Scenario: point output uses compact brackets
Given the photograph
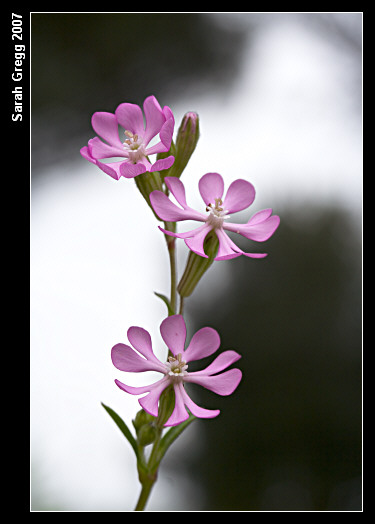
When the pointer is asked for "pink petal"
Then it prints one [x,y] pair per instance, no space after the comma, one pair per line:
[260,216]
[139,390]
[179,413]
[203,343]
[154,118]
[196,410]
[130,170]
[223,384]
[125,358]
[166,133]
[211,186]
[112,169]
[99,149]
[150,403]
[140,339]
[259,228]
[106,126]
[130,117]
[227,249]
[173,331]
[240,195]
[167,112]
[166,210]
[195,243]
[162,163]
[177,188]
[186,234]
[220,363]
[86,154]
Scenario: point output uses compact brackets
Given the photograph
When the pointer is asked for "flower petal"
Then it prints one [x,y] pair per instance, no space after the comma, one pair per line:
[125,358]
[179,413]
[106,126]
[211,186]
[112,169]
[220,363]
[166,133]
[173,331]
[227,248]
[240,195]
[140,339]
[139,390]
[195,243]
[150,403]
[196,410]
[259,228]
[130,117]
[186,234]
[162,163]
[167,210]
[203,343]
[177,188]
[130,170]
[99,149]
[223,384]
[86,154]
[154,118]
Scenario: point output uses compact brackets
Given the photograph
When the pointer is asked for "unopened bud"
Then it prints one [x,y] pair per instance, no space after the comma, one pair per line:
[196,265]
[144,425]
[186,141]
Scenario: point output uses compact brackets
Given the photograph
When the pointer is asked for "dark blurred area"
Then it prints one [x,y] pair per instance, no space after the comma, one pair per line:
[290,437]
[87,62]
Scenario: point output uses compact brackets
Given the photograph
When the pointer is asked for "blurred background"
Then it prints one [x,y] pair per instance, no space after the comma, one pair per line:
[280,103]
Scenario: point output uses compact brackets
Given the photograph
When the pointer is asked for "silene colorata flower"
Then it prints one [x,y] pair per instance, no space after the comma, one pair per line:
[175,370]
[239,196]
[133,147]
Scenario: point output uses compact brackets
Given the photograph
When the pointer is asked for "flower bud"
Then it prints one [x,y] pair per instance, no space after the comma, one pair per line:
[186,141]
[196,265]
[144,425]
[146,434]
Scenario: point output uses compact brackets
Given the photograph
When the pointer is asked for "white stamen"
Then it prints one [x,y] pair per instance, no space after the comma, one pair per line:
[176,367]
[217,214]
[134,146]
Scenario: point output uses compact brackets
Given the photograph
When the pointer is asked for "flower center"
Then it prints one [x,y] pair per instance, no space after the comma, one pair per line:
[217,213]
[176,367]
[134,147]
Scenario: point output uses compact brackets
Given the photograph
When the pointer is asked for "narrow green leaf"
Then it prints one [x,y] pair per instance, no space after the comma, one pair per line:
[123,427]
[167,303]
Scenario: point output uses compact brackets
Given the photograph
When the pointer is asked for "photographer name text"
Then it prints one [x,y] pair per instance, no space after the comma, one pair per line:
[17,74]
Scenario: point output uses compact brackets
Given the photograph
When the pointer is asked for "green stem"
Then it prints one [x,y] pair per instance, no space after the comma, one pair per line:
[171,245]
[181,305]
[147,486]
[148,478]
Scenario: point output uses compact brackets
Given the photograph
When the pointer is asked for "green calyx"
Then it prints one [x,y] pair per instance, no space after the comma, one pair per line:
[186,141]
[196,265]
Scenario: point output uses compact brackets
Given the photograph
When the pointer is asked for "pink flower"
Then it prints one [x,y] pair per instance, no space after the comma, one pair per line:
[175,370]
[134,146]
[239,196]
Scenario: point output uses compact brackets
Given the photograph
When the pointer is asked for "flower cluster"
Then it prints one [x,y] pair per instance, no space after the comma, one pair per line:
[126,140]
